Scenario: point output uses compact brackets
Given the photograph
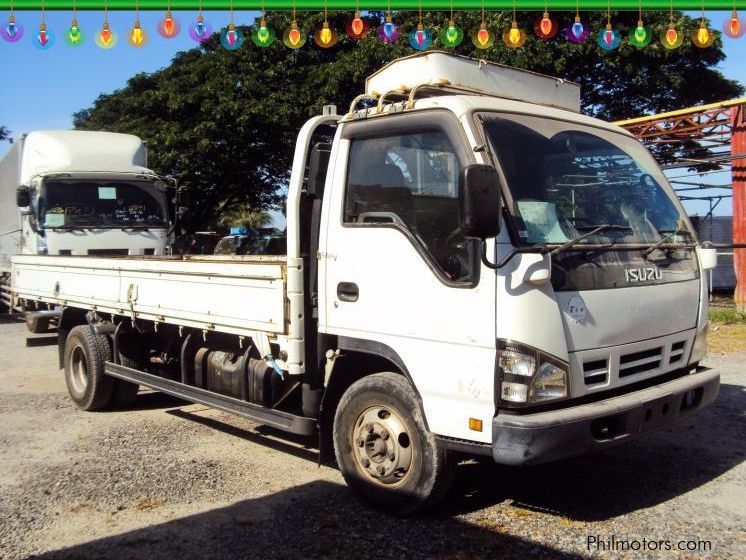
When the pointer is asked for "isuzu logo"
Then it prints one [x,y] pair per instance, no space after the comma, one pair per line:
[646,274]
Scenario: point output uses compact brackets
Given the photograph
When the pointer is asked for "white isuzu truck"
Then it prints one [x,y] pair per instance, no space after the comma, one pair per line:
[473,268]
[69,192]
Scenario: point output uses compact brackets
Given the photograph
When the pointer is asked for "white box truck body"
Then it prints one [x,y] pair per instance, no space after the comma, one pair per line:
[466,274]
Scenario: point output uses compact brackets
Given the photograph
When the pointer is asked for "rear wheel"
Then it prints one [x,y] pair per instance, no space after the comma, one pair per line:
[84,358]
[383,449]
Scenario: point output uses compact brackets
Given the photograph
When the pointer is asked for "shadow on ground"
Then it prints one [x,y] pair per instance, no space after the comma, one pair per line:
[633,476]
[314,521]
[620,480]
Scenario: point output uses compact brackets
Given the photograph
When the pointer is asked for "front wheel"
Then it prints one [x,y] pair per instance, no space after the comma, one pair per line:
[84,357]
[383,449]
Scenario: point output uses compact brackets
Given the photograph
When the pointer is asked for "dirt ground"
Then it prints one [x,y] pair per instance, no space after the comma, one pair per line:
[171,480]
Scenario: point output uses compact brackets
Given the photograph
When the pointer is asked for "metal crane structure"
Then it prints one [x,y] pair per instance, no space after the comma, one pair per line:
[704,142]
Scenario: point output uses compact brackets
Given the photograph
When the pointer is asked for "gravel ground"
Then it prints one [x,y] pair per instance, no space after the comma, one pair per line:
[171,480]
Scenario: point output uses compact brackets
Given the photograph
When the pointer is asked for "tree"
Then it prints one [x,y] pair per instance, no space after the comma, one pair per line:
[243,215]
[5,134]
[224,123]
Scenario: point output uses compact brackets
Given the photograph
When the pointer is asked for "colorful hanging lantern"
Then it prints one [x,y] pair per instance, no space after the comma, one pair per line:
[733,27]
[546,27]
[450,35]
[325,37]
[294,38]
[577,32]
[12,31]
[75,36]
[388,33]
[107,38]
[168,27]
[609,39]
[513,36]
[137,37]
[231,38]
[640,36]
[420,38]
[44,38]
[200,31]
[671,38]
[357,28]
[262,35]
[482,38]
[703,37]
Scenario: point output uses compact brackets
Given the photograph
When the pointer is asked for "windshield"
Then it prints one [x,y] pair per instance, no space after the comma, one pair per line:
[567,179]
[69,203]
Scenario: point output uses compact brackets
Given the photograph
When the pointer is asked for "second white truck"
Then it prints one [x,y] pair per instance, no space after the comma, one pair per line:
[71,192]
[472,268]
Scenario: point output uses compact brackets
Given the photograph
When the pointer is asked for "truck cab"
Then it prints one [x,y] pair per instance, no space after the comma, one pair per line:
[549,333]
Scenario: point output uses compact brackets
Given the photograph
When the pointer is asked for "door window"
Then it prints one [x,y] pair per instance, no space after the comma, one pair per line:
[410,181]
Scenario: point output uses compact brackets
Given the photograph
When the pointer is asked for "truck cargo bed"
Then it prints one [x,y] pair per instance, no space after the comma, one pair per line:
[234,294]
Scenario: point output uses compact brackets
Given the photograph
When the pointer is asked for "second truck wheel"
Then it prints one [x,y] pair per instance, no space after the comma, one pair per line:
[84,358]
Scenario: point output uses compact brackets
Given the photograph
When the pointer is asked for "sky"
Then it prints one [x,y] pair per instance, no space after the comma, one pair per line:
[43,89]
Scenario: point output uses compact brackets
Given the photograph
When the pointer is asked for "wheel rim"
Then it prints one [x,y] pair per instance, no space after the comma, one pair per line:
[78,370]
[382,446]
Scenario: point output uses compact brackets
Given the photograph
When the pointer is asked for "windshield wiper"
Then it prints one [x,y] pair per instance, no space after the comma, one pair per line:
[596,229]
[661,241]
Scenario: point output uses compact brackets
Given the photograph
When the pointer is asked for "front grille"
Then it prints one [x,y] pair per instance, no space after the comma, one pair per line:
[677,352]
[595,372]
[107,252]
[638,362]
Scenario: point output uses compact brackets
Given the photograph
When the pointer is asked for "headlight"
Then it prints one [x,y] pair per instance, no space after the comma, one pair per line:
[528,376]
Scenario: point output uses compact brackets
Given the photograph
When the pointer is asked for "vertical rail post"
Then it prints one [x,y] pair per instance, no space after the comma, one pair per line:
[738,170]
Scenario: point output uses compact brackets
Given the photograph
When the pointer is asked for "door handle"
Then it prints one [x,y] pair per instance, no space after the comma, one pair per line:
[347,291]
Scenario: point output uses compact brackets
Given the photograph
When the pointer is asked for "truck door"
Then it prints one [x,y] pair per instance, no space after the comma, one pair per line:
[396,274]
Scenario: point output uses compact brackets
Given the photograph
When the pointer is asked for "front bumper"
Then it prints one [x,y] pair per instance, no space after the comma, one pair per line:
[548,436]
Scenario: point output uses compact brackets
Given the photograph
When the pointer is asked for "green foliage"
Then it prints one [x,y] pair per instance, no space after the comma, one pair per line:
[224,123]
[727,316]
[243,215]
[5,134]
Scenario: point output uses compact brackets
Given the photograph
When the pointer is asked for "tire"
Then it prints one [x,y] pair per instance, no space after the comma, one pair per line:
[84,357]
[400,466]
[125,392]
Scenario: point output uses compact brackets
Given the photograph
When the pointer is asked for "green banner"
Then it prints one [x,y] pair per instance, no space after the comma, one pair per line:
[349,5]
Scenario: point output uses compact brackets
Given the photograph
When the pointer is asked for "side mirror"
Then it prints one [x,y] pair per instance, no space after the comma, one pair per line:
[708,257]
[480,205]
[23,196]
